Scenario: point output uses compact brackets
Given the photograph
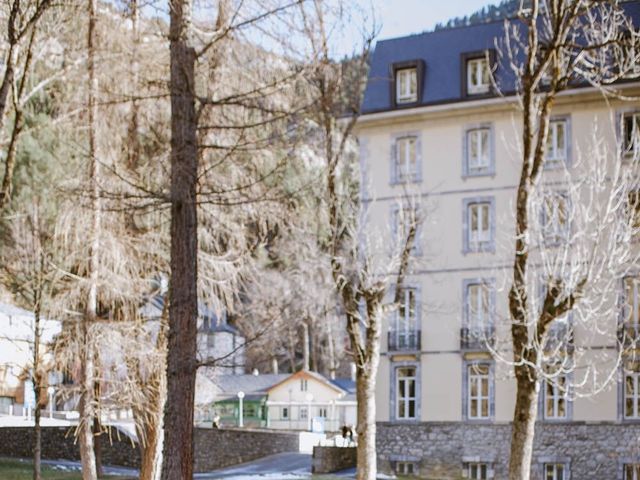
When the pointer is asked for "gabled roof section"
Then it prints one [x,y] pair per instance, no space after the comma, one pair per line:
[310,376]
[249,384]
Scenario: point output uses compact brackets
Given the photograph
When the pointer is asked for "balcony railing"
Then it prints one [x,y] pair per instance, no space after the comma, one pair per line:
[478,339]
[404,341]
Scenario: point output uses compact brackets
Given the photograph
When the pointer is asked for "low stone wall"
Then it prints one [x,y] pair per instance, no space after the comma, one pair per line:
[594,451]
[59,443]
[333,459]
[226,447]
[213,448]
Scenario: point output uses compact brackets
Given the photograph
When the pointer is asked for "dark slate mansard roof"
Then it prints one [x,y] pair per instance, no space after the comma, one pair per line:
[441,51]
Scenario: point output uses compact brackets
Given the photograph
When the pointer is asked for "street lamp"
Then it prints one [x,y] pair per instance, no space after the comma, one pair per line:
[51,391]
[240,412]
[309,398]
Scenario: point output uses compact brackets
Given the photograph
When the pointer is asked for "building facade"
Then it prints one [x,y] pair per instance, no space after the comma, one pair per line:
[435,135]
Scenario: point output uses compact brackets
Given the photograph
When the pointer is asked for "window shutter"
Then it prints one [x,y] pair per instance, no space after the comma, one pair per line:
[569,140]
[393,174]
[465,226]
[492,392]
[492,152]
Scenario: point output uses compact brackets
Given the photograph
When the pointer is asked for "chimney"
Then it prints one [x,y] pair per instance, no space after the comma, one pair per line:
[274,365]
[353,371]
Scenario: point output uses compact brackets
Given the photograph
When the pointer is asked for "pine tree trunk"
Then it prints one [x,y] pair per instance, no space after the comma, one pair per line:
[524,420]
[182,345]
[87,401]
[365,394]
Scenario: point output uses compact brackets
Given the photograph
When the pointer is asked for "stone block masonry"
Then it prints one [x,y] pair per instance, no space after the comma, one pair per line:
[590,451]
[333,459]
[213,448]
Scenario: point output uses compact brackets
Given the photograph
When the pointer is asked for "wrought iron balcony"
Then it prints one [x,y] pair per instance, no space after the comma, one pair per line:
[404,341]
[477,339]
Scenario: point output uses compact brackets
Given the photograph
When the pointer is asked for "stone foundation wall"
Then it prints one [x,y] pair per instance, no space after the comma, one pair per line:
[594,451]
[59,443]
[333,459]
[222,448]
[213,448]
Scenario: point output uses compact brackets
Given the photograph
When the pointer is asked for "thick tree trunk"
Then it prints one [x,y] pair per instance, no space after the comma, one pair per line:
[524,420]
[365,394]
[150,436]
[181,357]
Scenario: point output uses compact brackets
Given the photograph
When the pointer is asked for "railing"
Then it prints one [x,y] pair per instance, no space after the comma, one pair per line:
[478,339]
[404,341]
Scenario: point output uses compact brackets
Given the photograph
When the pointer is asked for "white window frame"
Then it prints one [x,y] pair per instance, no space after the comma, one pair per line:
[403,396]
[631,147]
[554,471]
[406,169]
[477,379]
[634,468]
[634,395]
[284,413]
[483,299]
[632,301]
[406,85]
[304,385]
[553,231]
[556,154]
[479,238]
[480,163]
[303,413]
[555,396]
[405,468]
[407,326]
[475,470]
[476,70]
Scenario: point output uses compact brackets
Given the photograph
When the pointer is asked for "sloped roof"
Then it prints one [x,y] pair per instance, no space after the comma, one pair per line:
[249,384]
[441,51]
[345,384]
[308,374]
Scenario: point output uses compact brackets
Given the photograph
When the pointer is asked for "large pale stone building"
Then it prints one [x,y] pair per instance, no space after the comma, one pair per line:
[433,128]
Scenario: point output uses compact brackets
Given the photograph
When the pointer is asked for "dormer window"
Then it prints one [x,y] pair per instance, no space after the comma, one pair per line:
[407,85]
[478,79]
[406,82]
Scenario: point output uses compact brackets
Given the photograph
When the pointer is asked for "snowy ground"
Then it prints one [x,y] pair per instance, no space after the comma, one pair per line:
[19,421]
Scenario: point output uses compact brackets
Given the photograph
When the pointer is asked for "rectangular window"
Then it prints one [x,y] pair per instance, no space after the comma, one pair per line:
[406,159]
[631,390]
[284,413]
[322,412]
[478,151]
[631,133]
[405,468]
[632,471]
[555,398]
[555,217]
[303,385]
[406,320]
[478,306]
[478,378]
[477,471]
[304,413]
[478,79]
[632,308]
[556,144]
[554,471]
[406,393]
[406,85]
[479,234]
[633,210]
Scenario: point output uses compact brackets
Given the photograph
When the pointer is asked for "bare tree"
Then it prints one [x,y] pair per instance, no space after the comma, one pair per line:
[554,46]
[362,279]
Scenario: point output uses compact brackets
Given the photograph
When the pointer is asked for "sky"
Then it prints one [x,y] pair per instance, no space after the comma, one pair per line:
[404,17]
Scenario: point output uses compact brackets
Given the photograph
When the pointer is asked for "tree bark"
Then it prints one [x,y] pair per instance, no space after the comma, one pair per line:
[37,387]
[87,402]
[305,346]
[181,357]
[365,394]
[524,420]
